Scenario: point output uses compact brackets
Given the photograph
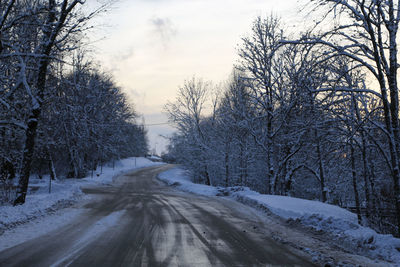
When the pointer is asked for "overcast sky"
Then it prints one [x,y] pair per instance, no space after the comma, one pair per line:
[152,46]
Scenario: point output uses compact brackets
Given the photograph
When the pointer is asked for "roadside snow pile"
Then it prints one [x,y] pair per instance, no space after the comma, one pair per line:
[341,223]
[40,202]
[64,192]
[356,237]
[293,208]
[180,178]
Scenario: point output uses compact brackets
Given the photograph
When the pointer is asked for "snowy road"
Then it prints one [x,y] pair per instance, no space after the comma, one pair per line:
[142,222]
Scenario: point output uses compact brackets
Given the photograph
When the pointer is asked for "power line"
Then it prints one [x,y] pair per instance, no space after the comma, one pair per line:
[117,125]
[157,124]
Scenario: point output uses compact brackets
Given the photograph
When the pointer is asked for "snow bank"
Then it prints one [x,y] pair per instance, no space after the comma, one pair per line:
[181,179]
[40,203]
[36,228]
[293,208]
[357,238]
[341,223]
[64,192]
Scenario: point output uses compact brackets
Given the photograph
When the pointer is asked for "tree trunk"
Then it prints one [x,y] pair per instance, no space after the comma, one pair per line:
[270,111]
[27,156]
[324,196]
[355,189]
[391,122]
[52,170]
[208,181]
[241,163]
[363,155]
[365,176]
[394,104]
[226,165]
[270,166]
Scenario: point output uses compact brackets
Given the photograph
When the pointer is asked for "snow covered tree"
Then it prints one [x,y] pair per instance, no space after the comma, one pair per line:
[90,119]
[366,32]
[298,118]
[233,114]
[56,21]
[187,114]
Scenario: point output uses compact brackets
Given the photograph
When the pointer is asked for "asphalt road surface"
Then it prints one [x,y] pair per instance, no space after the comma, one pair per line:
[142,222]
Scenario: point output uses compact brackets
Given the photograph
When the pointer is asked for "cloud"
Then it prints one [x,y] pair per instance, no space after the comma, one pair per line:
[137,96]
[125,54]
[164,29]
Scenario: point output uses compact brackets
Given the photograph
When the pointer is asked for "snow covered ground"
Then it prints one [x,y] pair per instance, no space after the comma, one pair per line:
[339,222]
[64,192]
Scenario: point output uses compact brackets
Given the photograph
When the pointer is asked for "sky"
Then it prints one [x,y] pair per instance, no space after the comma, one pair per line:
[152,46]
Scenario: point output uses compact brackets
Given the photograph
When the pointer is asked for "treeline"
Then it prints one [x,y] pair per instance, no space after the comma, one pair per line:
[313,116]
[59,113]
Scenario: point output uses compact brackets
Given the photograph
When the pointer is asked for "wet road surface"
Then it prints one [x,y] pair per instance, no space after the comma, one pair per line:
[139,221]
